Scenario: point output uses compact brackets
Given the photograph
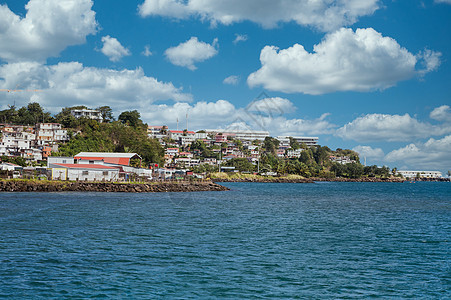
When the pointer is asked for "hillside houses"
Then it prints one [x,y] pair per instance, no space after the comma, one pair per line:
[31,143]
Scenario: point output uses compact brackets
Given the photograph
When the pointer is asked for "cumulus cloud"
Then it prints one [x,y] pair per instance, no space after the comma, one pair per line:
[113,48]
[68,84]
[432,155]
[369,152]
[233,80]
[190,52]
[48,27]
[383,127]
[442,113]
[322,14]
[345,60]
[240,38]
[147,51]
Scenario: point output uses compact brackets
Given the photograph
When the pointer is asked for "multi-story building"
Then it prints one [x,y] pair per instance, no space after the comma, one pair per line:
[51,132]
[245,135]
[92,114]
[309,141]
[157,132]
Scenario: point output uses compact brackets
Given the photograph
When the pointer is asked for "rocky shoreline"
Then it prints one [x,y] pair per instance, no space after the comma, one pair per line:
[308,180]
[109,187]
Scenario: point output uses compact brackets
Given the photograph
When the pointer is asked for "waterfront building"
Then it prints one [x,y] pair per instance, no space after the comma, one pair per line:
[421,174]
[107,158]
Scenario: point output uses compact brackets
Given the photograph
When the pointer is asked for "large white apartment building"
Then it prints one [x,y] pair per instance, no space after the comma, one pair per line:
[243,135]
[308,140]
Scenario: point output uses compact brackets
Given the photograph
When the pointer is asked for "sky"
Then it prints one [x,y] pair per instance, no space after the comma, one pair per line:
[369,75]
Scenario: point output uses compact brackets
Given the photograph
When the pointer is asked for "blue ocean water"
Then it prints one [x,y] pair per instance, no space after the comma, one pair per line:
[259,240]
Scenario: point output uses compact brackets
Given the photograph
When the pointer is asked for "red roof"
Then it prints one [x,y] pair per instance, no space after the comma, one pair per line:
[181,131]
[86,166]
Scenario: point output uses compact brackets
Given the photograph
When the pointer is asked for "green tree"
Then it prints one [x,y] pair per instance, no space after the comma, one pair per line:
[131,118]
[107,113]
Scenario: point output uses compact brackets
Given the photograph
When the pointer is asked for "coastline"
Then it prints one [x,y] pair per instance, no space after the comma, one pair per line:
[108,187]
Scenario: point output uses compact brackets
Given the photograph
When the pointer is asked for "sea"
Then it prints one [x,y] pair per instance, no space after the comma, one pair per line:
[257,241]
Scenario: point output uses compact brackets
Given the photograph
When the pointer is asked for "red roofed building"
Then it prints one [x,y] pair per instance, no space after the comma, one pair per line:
[106,158]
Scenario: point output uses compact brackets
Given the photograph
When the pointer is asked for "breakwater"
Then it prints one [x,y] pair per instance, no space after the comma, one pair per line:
[78,186]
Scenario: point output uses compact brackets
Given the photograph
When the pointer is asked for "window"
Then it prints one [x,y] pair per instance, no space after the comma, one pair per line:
[91,162]
[105,172]
[85,173]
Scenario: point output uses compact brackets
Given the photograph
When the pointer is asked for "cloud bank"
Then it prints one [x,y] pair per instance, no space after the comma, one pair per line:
[324,15]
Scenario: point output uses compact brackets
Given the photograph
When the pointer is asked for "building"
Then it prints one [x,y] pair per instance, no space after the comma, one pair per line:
[106,158]
[420,174]
[243,135]
[84,172]
[309,141]
[92,114]
[51,132]
[157,132]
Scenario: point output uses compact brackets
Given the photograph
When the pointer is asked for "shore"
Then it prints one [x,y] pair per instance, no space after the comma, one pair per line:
[237,177]
[69,186]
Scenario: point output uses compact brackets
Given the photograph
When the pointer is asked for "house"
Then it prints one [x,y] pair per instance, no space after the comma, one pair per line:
[171,152]
[157,132]
[92,114]
[51,132]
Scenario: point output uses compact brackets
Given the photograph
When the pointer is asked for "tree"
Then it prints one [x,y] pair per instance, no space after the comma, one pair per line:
[294,144]
[131,118]
[107,113]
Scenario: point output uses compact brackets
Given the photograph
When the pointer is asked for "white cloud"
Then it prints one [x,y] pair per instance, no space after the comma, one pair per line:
[233,80]
[443,1]
[113,48]
[68,84]
[201,115]
[240,38]
[442,113]
[147,51]
[223,114]
[383,127]
[190,52]
[432,155]
[322,14]
[48,27]
[271,106]
[345,60]
[369,152]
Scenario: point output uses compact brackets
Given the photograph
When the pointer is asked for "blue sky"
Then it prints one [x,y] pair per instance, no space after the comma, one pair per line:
[369,75]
